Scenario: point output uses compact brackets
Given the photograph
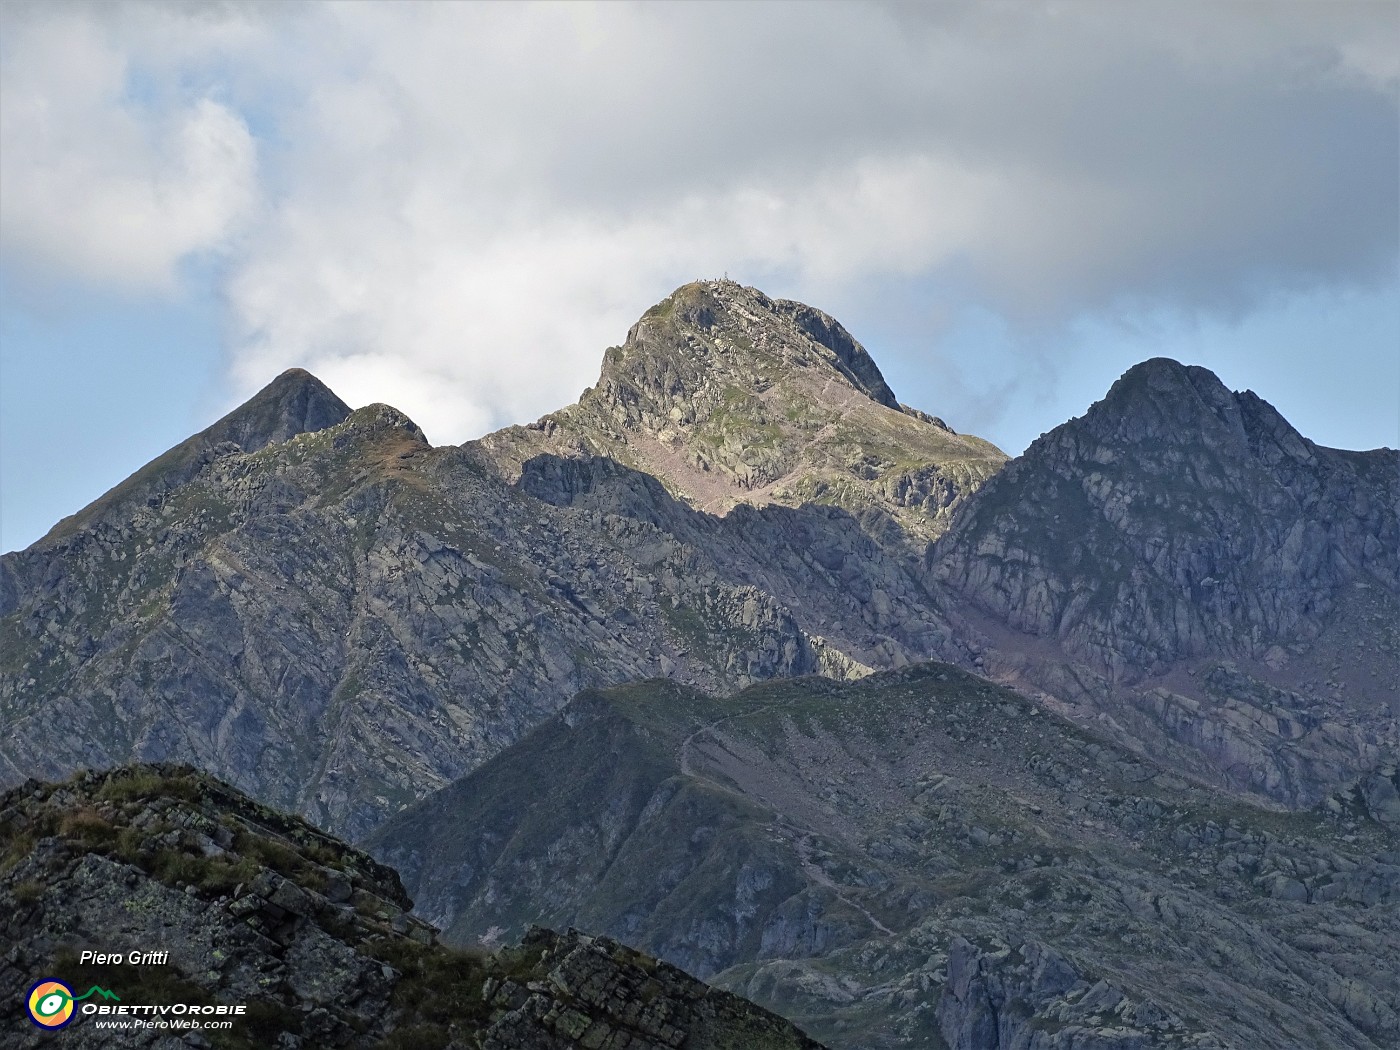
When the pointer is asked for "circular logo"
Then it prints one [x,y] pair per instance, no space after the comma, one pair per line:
[51,1004]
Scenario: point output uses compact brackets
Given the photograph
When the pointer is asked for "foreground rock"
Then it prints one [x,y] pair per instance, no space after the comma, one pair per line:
[312,937]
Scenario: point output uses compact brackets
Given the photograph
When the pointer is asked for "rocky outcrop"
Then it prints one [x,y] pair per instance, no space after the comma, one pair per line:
[1031,998]
[598,993]
[229,904]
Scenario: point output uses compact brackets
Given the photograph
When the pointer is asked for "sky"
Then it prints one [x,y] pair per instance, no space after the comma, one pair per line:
[455,208]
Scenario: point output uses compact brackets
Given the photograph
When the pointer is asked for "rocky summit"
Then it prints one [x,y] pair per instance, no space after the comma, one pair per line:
[727,396]
[225,903]
[1182,565]
[1194,609]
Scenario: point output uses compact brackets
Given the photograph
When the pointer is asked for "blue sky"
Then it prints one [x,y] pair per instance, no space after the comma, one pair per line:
[456,208]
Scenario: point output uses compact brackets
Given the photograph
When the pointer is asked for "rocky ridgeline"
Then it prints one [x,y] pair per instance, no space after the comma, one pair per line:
[315,938]
[728,397]
[355,577]
[1176,519]
[338,618]
[919,857]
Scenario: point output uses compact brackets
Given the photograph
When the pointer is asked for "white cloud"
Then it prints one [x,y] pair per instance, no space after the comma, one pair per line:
[460,205]
[93,185]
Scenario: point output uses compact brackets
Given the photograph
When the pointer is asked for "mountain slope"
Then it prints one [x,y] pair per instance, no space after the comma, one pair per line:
[730,397]
[1182,562]
[248,908]
[921,858]
[295,619]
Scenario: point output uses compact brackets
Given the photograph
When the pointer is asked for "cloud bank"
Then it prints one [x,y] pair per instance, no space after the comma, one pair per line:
[455,207]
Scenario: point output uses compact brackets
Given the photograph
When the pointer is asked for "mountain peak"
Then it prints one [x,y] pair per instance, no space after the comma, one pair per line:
[1174,503]
[721,332]
[728,396]
[296,402]
[1165,376]
[1165,402]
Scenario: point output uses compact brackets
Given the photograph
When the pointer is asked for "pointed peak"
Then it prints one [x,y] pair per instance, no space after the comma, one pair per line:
[296,402]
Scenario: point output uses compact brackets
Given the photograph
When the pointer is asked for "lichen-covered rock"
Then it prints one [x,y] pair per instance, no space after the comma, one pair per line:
[242,906]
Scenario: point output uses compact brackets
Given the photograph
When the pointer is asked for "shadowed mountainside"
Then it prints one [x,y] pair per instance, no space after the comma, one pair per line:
[1181,566]
[922,859]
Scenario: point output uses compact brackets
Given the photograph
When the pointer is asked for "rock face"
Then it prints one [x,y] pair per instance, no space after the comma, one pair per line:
[1182,561]
[922,859]
[730,397]
[1176,519]
[310,936]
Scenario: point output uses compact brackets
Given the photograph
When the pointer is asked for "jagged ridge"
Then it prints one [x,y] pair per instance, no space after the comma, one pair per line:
[311,936]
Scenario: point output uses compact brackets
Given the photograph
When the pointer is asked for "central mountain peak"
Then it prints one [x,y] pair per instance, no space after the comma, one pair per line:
[709,335]
[728,396]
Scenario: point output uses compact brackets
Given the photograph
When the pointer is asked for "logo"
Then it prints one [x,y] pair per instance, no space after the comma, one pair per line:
[51,1002]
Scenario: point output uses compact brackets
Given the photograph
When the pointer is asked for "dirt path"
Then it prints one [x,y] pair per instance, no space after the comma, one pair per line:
[817,874]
